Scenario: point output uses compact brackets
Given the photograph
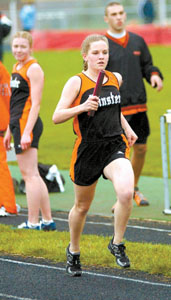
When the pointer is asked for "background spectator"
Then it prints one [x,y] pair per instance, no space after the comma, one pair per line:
[25,125]
[146,11]
[130,56]
[28,16]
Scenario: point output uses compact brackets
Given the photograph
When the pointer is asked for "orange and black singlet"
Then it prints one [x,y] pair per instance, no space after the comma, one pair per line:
[106,122]
[20,103]
[20,106]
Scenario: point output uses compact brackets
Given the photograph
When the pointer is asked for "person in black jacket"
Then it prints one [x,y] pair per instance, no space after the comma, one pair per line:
[5,28]
[129,55]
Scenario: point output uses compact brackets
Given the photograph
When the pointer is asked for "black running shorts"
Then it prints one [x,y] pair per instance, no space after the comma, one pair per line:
[90,158]
[17,128]
[140,124]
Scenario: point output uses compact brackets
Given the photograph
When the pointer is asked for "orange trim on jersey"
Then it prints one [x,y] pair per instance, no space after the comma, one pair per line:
[87,84]
[127,152]
[22,123]
[23,73]
[122,41]
[131,110]
[76,126]
[74,158]
[23,70]
[113,80]
[5,94]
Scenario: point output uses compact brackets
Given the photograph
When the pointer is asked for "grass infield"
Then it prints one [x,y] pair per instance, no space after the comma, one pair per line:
[51,245]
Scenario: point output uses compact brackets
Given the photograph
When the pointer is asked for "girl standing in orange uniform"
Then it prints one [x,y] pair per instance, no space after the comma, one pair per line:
[26,127]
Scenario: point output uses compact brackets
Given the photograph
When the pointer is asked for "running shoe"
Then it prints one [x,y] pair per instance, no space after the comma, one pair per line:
[48,226]
[139,198]
[73,267]
[119,252]
[25,225]
[4,213]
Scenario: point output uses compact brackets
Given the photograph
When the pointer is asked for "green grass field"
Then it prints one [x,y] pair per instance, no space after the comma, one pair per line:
[52,246]
[57,141]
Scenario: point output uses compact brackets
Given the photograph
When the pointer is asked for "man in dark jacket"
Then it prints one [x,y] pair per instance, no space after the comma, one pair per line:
[129,55]
[5,27]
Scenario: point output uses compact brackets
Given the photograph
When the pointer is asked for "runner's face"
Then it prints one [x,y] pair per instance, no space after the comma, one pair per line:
[115,18]
[97,56]
[21,49]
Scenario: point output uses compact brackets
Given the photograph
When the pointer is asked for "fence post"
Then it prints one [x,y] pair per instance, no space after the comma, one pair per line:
[166,119]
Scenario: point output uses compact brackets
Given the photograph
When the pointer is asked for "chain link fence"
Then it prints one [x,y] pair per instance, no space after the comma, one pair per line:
[77,14]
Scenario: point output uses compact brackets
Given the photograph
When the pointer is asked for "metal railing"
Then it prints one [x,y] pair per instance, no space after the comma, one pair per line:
[165,121]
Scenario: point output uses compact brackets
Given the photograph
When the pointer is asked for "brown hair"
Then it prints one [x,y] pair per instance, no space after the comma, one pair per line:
[111,4]
[25,35]
[87,42]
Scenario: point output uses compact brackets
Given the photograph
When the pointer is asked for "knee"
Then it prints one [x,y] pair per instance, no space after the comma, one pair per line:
[126,197]
[81,209]
[140,149]
[27,176]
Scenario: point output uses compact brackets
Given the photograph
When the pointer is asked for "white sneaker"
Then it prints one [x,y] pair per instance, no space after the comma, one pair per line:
[3,213]
[25,225]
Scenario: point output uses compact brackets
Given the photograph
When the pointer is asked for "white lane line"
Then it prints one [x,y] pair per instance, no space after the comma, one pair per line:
[110,224]
[15,297]
[133,226]
[148,228]
[85,272]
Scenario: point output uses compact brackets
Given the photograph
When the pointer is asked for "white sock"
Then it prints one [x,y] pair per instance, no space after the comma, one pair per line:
[32,225]
[47,222]
[73,253]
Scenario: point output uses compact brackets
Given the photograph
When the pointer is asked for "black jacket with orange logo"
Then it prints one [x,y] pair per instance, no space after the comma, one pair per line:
[134,62]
